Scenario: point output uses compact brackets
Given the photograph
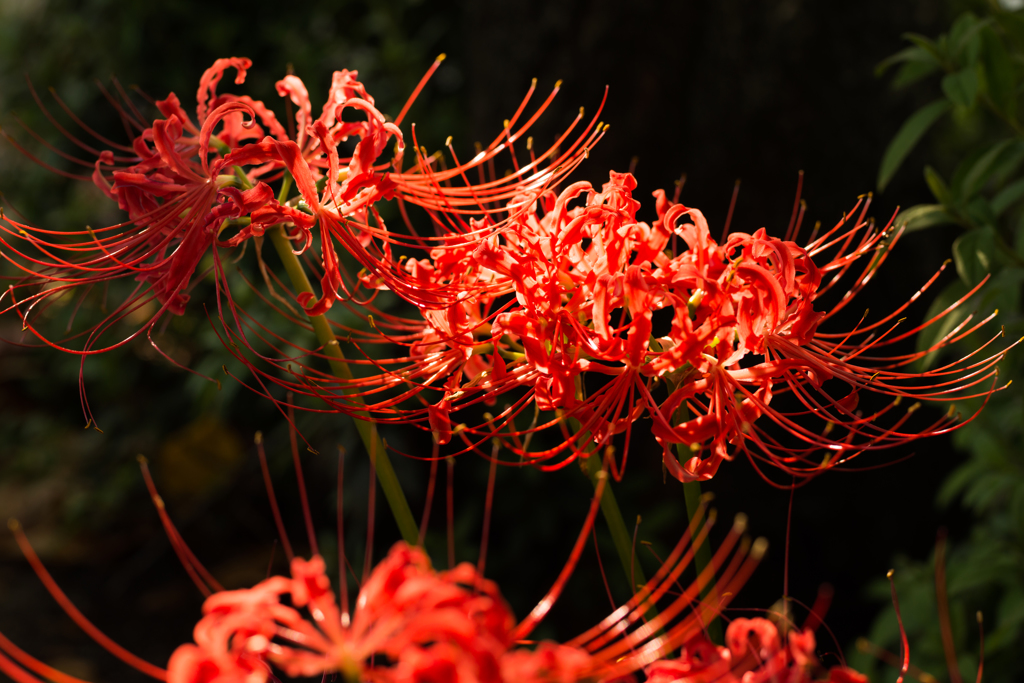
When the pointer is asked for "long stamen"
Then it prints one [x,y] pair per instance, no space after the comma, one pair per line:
[69,608]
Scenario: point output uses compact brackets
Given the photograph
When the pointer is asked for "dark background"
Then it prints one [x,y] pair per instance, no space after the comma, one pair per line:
[717,90]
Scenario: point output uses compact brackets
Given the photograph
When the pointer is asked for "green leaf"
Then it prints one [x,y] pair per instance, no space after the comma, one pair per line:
[912,72]
[984,167]
[1013,24]
[979,213]
[959,480]
[960,28]
[974,255]
[1003,293]
[966,163]
[1008,196]
[907,54]
[961,87]
[938,186]
[933,333]
[964,38]
[912,130]
[1018,238]
[923,216]
[1008,162]
[936,50]
[916,63]
[998,70]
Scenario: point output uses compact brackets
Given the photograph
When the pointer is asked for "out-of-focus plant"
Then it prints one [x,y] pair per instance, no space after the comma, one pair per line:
[977,67]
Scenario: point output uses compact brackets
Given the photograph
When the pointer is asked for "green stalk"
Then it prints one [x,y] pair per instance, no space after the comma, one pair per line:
[617,525]
[702,558]
[336,358]
[620,533]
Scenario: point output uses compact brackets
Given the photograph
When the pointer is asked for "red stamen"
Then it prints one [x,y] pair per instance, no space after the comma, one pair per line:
[69,608]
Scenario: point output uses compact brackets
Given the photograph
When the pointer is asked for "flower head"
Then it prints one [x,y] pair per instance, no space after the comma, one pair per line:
[559,312]
[754,651]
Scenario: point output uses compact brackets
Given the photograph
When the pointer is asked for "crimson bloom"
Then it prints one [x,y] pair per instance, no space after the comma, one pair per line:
[557,312]
[544,299]
[192,186]
[754,651]
[411,623]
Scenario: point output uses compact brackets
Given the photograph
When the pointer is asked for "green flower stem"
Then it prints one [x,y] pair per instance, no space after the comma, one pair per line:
[336,358]
[617,525]
[702,558]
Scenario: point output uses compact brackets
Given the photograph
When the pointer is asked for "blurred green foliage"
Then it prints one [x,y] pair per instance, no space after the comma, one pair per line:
[976,175]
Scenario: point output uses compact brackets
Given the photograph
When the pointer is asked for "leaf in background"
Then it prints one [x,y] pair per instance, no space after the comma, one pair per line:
[908,135]
[912,72]
[974,254]
[964,38]
[979,213]
[967,162]
[1018,238]
[998,69]
[1013,24]
[1010,618]
[907,54]
[985,166]
[957,482]
[938,186]
[936,50]
[961,87]
[924,216]
[930,335]
[1007,164]
[916,63]
[1008,196]
[1003,293]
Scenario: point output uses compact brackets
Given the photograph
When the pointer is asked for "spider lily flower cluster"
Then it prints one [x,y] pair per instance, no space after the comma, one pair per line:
[541,297]
[581,287]
[412,624]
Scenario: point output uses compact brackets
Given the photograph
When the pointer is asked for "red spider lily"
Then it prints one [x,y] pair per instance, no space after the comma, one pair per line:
[754,651]
[411,623]
[183,183]
[558,306]
[176,198]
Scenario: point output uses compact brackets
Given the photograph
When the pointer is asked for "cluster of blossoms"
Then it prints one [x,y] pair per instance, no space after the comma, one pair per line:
[412,624]
[547,299]
[587,283]
[555,300]
[754,651]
